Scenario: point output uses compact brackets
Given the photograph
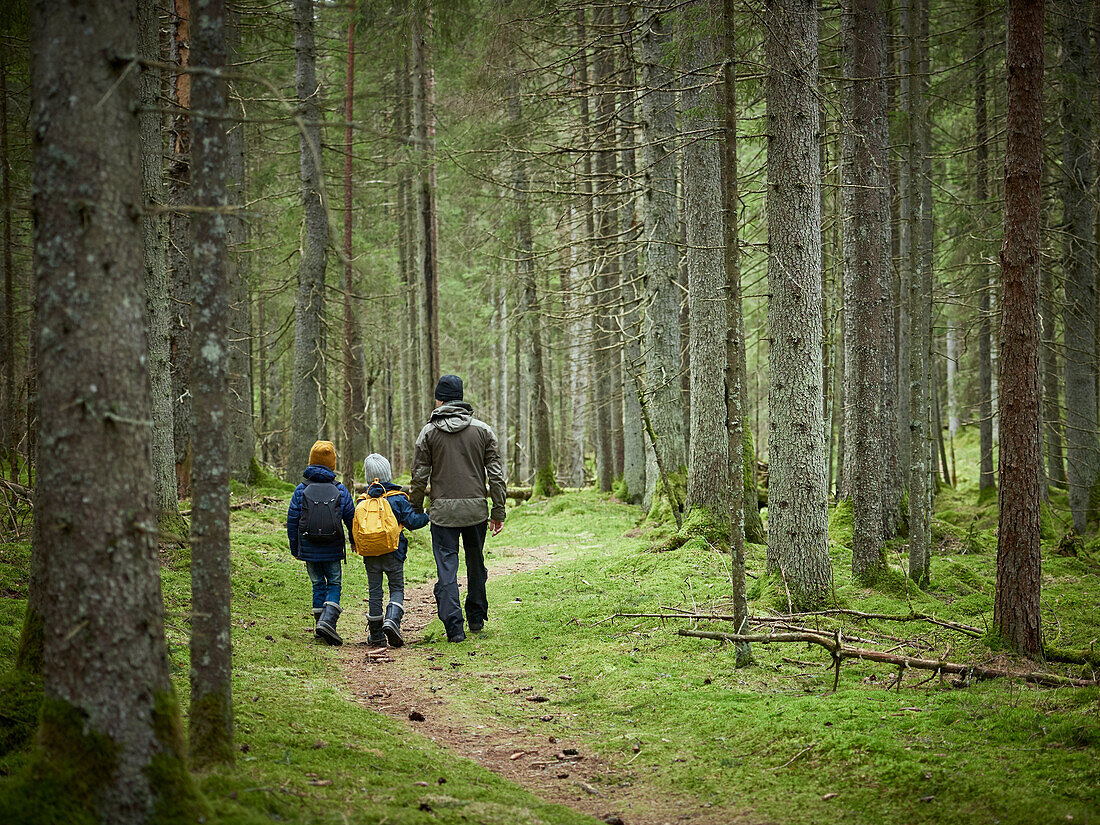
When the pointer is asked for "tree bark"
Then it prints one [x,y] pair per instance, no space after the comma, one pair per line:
[11,419]
[109,734]
[634,451]
[211,716]
[1079,319]
[734,379]
[797,532]
[179,241]
[661,263]
[157,323]
[1052,401]
[866,221]
[1019,567]
[986,478]
[305,413]
[708,486]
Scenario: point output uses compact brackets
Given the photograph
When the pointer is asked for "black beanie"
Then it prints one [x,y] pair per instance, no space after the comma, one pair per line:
[448,389]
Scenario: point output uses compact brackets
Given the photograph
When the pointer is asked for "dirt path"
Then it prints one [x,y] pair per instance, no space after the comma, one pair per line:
[404,683]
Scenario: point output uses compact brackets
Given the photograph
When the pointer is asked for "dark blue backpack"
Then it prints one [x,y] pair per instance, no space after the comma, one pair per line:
[320,522]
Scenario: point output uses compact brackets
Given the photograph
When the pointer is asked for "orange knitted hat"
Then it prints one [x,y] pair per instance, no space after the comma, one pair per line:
[323,453]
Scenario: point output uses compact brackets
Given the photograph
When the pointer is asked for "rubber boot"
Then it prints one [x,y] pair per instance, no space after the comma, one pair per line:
[326,625]
[375,636]
[316,618]
[392,626]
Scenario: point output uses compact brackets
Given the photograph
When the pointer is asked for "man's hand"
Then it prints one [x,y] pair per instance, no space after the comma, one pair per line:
[495,526]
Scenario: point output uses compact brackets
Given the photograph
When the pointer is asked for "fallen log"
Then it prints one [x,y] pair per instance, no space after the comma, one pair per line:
[840,651]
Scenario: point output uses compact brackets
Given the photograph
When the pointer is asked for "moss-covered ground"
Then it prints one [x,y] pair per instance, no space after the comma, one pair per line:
[769,743]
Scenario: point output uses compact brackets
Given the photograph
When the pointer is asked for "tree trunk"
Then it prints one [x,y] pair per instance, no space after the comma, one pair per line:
[109,736]
[305,413]
[735,376]
[986,479]
[797,530]
[241,426]
[157,322]
[579,349]
[606,266]
[1077,257]
[952,383]
[411,403]
[211,717]
[1019,567]
[353,399]
[708,485]
[907,179]
[662,318]
[865,226]
[179,241]
[1052,402]
[634,452]
[11,425]
[893,483]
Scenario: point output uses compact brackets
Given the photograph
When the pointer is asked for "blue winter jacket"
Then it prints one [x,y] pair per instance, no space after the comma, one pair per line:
[302,548]
[405,515]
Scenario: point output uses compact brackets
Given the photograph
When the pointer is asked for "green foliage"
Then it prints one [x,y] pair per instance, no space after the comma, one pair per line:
[20,699]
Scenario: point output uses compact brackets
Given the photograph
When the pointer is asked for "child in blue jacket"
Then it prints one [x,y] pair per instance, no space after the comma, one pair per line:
[388,628]
[316,535]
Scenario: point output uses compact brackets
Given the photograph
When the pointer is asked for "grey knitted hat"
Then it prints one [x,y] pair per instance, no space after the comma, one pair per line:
[376,467]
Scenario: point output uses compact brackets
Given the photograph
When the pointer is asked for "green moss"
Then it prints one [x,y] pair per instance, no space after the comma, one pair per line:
[701,526]
[68,769]
[267,480]
[20,700]
[660,511]
[620,490]
[987,495]
[546,485]
[178,797]
[211,725]
[841,523]
[28,655]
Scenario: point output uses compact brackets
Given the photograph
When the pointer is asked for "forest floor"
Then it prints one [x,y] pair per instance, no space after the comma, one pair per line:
[664,728]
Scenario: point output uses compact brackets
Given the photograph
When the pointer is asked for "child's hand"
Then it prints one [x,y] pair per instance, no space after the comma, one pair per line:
[495,526]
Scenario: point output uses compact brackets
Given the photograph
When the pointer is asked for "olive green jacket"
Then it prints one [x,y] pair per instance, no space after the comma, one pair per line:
[456,453]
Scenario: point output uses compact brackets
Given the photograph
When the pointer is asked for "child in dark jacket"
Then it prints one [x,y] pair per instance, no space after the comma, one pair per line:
[313,526]
[388,628]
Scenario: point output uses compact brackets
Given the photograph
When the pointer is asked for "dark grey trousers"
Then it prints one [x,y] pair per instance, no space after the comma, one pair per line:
[445,549]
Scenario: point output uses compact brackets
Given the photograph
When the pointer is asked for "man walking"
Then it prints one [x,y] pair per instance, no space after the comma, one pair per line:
[457,453]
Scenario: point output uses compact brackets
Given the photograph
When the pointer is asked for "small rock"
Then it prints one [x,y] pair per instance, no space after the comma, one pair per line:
[537,699]
[829,796]
[613,819]
[927,798]
[562,776]
[546,718]
[570,751]
[421,784]
[416,716]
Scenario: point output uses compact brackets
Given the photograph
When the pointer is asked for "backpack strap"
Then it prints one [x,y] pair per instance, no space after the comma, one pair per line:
[392,493]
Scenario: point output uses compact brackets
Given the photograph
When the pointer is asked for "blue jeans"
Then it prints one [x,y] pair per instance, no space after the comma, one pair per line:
[394,569]
[445,549]
[325,576]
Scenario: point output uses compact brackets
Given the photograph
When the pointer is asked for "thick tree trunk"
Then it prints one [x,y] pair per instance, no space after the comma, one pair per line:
[891,307]
[907,179]
[1019,567]
[239,417]
[11,422]
[735,376]
[634,448]
[661,266]
[305,412]
[1077,256]
[179,241]
[157,323]
[708,485]
[211,716]
[866,221]
[109,737]
[797,530]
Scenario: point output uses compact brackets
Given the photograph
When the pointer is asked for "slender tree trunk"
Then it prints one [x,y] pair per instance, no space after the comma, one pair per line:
[305,414]
[708,458]
[411,403]
[952,384]
[661,265]
[157,315]
[634,454]
[797,531]
[1019,566]
[893,482]
[239,417]
[735,376]
[606,272]
[1077,255]
[11,425]
[579,349]
[353,400]
[265,420]
[907,180]
[109,737]
[179,241]
[1052,402]
[986,478]
[211,717]
[865,231]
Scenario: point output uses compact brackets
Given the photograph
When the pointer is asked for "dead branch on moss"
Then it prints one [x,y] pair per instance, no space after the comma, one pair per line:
[839,651]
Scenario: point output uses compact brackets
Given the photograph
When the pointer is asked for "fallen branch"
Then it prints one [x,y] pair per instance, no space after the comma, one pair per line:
[839,652]
[969,630]
[245,505]
[18,490]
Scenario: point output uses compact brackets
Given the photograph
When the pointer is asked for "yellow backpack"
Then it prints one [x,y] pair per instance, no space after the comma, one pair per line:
[375,529]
